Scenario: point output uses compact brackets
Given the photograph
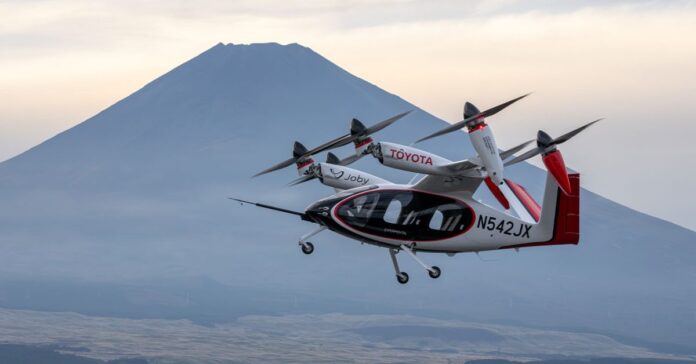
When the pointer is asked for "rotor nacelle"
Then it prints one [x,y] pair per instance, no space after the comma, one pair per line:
[334,173]
[553,161]
[304,161]
[408,158]
[344,178]
[552,157]
[481,137]
[483,141]
[470,111]
[362,140]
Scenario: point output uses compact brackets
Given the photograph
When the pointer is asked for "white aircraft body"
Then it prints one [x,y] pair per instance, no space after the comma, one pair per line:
[438,212]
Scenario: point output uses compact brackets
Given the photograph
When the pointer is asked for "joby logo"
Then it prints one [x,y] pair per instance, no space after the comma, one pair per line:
[350,177]
[411,157]
[338,174]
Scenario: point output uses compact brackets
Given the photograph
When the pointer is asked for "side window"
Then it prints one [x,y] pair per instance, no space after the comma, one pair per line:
[448,217]
[391,215]
[436,221]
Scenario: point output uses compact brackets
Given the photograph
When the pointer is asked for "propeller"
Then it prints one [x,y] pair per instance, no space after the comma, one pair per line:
[472,117]
[330,159]
[358,130]
[552,157]
[547,144]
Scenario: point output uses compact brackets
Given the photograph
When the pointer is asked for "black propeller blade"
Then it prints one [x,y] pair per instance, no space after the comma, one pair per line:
[471,113]
[360,131]
[568,135]
[506,153]
[522,157]
[545,141]
[303,179]
[278,166]
[332,158]
[383,124]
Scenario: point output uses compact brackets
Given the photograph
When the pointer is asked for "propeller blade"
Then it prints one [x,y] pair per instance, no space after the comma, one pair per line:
[496,109]
[335,143]
[348,138]
[566,136]
[458,125]
[383,124]
[544,140]
[506,153]
[529,154]
[302,179]
[449,129]
[332,158]
[276,167]
[349,160]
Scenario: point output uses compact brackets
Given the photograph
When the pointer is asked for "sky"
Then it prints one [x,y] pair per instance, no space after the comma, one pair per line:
[631,62]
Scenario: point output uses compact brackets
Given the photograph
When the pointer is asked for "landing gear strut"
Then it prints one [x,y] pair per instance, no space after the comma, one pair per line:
[307,247]
[401,277]
[433,271]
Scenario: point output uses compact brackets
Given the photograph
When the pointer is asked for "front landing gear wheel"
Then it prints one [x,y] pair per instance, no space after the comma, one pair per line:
[402,277]
[434,272]
[308,248]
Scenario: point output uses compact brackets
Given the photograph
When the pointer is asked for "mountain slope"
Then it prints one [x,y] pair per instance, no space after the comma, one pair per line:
[139,190]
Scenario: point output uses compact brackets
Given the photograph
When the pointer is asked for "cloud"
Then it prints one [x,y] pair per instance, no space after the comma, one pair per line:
[93,23]
[628,61]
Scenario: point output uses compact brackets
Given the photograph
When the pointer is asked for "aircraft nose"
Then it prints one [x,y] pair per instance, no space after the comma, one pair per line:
[318,212]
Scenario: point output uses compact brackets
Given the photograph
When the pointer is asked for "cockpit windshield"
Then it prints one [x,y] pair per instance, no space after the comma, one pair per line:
[360,208]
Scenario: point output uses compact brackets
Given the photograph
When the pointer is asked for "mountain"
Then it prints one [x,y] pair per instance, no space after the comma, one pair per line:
[139,192]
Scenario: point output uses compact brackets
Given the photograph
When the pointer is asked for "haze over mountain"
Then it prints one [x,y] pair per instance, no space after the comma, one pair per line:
[139,192]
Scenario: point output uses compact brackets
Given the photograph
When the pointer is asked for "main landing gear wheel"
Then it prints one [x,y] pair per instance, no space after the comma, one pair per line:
[434,272]
[402,277]
[308,248]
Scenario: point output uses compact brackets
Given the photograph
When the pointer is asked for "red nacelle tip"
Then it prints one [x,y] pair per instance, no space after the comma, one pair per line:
[556,166]
[362,143]
[304,164]
[477,127]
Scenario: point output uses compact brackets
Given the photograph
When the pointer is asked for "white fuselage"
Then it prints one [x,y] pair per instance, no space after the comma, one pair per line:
[394,215]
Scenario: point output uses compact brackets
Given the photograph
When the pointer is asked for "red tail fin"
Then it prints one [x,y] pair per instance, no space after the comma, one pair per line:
[567,227]
[566,224]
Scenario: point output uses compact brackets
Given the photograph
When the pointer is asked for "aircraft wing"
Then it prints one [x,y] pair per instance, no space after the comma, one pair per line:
[460,166]
[455,168]
[461,175]
[461,183]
